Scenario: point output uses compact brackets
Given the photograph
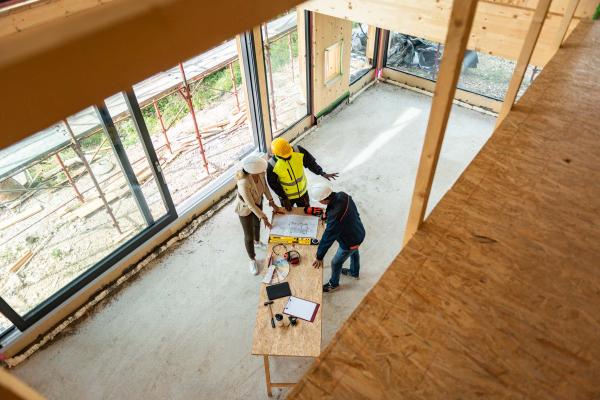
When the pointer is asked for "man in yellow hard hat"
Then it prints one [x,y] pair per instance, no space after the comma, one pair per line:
[285,173]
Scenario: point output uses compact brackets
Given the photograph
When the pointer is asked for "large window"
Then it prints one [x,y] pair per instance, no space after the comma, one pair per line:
[483,74]
[196,148]
[285,68]
[81,195]
[363,45]
[72,197]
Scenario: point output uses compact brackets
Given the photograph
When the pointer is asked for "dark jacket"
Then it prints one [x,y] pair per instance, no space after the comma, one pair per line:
[309,162]
[343,224]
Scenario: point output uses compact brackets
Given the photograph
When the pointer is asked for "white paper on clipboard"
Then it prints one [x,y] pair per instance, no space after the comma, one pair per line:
[303,309]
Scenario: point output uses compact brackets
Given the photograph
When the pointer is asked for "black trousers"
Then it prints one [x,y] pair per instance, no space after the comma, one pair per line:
[251,227]
[302,201]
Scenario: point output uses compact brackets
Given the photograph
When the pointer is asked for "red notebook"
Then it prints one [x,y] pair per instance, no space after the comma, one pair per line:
[300,308]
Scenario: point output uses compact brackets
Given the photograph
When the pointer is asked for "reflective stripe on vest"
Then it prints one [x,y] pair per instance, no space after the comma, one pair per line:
[291,175]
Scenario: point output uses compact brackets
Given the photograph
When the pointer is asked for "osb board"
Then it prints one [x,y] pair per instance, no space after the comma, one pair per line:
[306,282]
[497,295]
[498,29]
[326,32]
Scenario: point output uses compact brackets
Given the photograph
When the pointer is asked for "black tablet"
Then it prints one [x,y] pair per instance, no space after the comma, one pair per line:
[278,291]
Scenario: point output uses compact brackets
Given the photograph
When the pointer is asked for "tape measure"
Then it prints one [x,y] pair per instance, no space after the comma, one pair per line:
[292,240]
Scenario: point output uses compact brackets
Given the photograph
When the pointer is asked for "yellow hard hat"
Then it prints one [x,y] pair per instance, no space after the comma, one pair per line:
[281,148]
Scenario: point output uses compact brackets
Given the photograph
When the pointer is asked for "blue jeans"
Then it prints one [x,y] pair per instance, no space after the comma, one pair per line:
[338,260]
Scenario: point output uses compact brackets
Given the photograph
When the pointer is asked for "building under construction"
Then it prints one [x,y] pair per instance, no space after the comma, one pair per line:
[465,131]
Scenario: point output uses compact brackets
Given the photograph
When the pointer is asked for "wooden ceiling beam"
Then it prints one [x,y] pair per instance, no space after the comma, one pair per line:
[30,14]
[62,66]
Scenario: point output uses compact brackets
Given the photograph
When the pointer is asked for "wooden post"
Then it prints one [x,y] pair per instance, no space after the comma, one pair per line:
[565,22]
[523,61]
[459,28]
[267,375]
[263,86]
[270,73]
[77,148]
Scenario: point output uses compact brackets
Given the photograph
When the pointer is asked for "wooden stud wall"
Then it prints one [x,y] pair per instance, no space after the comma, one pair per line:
[498,29]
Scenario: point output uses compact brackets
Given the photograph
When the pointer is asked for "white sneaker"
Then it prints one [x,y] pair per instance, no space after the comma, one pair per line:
[260,245]
[253,267]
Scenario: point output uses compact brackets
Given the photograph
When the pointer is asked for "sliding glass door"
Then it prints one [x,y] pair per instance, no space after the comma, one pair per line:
[76,198]
[79,196]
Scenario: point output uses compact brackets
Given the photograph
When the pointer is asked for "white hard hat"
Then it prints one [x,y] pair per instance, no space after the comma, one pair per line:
[254,165]
[320,191]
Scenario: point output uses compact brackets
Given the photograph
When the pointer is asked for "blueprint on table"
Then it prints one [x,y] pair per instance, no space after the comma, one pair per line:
[304,226]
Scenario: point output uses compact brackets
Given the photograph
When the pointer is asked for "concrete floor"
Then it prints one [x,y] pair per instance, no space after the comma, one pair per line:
[184,329]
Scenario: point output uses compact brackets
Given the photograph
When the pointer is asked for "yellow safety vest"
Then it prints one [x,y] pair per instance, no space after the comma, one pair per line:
[291,175]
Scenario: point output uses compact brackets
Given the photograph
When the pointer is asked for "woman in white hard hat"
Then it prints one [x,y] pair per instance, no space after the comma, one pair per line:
[251,187]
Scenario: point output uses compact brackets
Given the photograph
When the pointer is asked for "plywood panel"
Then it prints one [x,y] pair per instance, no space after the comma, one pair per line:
[328,30]
[497,295]
[498,28]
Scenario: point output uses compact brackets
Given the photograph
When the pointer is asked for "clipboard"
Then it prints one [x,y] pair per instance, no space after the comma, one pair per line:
[300,308]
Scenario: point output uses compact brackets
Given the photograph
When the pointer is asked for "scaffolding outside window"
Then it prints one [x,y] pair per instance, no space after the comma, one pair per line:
[481,73]
[71,196]
[285,68]
[81,195]
[197,148]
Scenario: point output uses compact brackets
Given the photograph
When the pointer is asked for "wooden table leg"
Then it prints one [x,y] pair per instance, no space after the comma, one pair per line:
[267,375]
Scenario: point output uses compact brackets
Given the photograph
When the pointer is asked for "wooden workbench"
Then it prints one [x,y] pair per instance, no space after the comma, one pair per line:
[497,295]
[304,339]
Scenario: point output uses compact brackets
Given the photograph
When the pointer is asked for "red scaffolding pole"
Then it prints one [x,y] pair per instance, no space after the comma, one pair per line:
[187,95]
[69,178]
[162,125]
[79,152]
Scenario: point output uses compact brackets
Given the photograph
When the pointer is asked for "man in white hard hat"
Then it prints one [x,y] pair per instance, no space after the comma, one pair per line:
[345,227]
[251,187]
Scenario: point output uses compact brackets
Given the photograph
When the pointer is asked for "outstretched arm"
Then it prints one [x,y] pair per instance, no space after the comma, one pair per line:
[311,163]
